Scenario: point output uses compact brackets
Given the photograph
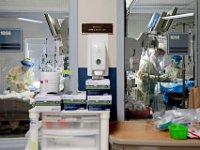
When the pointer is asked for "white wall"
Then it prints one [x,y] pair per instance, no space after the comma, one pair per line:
[96,11]
[34,5]
[137,23]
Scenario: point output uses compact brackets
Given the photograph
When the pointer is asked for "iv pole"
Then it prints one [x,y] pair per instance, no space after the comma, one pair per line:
[183,72]
[183,66]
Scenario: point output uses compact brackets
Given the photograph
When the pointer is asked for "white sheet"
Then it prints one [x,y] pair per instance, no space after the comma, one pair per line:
[25,96]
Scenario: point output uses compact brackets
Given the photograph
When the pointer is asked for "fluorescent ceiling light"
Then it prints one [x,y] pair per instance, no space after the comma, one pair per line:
[178,16]
[30,20]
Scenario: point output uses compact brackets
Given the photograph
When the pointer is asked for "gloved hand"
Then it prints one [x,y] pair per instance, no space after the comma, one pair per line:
[153,77]
[143,76]
[174,80]
[21,86]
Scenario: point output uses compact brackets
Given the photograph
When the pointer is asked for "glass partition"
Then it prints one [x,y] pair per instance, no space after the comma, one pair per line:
[14,117]
[157,79]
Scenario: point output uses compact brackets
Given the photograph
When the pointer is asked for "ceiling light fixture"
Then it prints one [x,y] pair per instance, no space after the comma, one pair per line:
[178,16]
[30,20]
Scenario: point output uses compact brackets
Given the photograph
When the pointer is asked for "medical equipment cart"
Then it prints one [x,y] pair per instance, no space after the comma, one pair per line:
[69,130]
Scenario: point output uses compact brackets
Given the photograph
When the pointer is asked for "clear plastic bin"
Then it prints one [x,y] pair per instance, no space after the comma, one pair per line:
[60,124]
[70,122]
[56,142]
[90,122]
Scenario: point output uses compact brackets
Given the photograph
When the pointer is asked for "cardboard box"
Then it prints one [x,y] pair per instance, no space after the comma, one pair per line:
[74,101]
[47,103]
[97,103]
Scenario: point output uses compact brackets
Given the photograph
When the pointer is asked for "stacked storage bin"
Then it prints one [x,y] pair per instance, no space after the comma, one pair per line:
[75,130]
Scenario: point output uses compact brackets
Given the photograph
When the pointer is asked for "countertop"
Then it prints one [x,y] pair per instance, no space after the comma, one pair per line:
[144,132]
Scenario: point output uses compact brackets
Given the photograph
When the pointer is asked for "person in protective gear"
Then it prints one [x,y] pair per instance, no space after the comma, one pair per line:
[21,78]
[149,74]
[174,70]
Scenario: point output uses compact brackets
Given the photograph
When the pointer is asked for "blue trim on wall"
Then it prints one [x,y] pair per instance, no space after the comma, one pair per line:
[82,77]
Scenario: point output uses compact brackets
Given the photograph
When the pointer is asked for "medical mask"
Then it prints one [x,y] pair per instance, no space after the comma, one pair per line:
[25,68]
[177,63]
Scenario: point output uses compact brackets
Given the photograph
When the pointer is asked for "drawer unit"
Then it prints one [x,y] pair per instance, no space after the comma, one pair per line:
[60,122]
[69,130]
[70,142]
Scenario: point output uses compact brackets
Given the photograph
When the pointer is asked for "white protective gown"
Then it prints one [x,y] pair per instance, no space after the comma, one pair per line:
[17,76]
[173,71]
[148,76]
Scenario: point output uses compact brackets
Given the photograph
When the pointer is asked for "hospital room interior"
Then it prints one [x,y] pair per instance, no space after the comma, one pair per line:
[99,75]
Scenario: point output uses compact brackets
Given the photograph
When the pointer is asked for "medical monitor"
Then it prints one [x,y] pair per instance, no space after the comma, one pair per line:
[178,43]
[54,25]
[160,22]
[64,32]
[57,25]
[168,23]
[11,40]
[164,25]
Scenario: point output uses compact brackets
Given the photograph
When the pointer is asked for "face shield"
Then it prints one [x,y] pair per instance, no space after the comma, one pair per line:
[27,62]
[176,60]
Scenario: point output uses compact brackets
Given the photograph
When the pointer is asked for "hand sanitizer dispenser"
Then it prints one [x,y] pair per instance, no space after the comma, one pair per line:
[97,67]
[98,59]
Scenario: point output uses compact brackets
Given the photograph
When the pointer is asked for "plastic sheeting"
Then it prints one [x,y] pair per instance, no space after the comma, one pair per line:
[174,88]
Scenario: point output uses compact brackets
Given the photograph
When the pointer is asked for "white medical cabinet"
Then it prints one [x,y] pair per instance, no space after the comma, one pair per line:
[70,130]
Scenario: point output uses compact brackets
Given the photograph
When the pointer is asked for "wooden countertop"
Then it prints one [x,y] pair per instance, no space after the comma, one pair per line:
[143,132]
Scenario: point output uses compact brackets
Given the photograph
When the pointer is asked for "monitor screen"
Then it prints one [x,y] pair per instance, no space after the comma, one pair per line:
[161,25]
[11,40]
[168,23]
[51,25]
[178,43]
[64,32]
